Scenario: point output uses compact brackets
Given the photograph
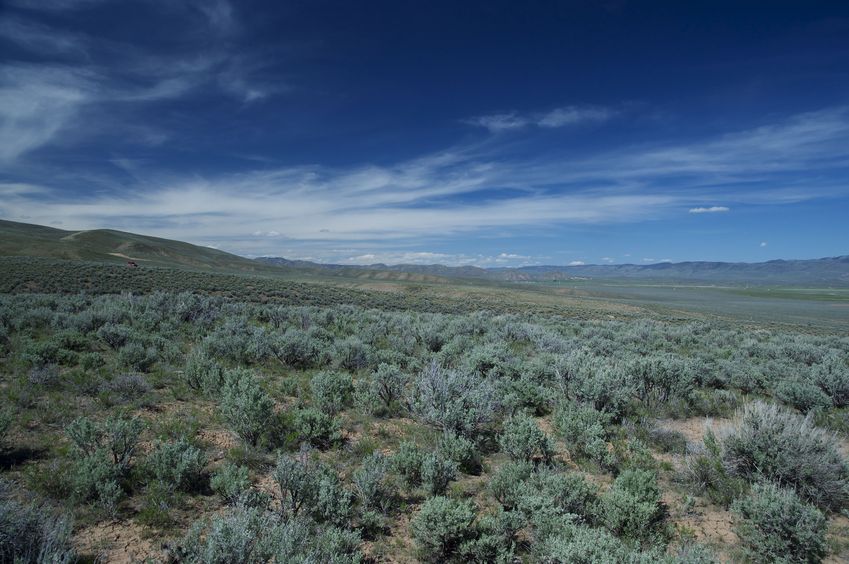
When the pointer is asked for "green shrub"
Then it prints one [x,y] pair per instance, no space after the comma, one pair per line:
[437,472]
[250,535]
[507,485]
[177,465]
[583,545]
[231,482]
[245,405]
[770,443]
[441,527]
[126,387]
[389,382]
[371,484]
[6,419]
[832,376]
[631,508]
[453,401]
[774,525]
[138,357]
[331,391]
[801,394]
[522,439]
[583,429]
[317,428]
[202,372]
[31,533]
[333,503]
[707,474]
[462,451]
[297,482]
[407,462]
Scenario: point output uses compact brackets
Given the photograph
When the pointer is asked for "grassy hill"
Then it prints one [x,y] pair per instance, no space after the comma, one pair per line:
[107,245]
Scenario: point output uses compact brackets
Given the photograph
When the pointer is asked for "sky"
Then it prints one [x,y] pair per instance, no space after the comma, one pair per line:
[491,133]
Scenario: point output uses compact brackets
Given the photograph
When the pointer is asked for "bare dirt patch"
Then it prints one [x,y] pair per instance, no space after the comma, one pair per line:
[117,541]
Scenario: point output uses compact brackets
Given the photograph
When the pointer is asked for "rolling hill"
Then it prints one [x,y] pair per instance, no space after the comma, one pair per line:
[106,245]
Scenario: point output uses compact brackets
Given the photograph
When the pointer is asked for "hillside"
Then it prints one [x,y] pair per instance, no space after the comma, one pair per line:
[106,245]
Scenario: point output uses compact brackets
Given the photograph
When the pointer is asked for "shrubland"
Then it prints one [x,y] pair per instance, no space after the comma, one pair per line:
[242,431]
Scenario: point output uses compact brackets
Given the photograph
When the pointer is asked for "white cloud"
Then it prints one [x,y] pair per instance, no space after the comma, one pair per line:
[712,209]
[763,244]
[573,115]
[559,117]
[577,263]
[499,122]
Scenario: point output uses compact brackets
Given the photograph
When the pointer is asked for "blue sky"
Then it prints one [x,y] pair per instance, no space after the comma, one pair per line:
[488,133]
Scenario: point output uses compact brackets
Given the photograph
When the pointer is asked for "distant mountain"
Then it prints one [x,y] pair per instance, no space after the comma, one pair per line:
[106,245]
[832,271]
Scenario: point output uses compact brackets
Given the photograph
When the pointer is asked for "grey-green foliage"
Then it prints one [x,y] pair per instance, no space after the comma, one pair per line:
[768,442]
[583,429]
[116,436]
[582,545]
[177,465]
[310,487]
[247,408]
[507,484]
[407,462]
[659,378]
[774,525]
[32,533]
[317,428]
[5,423]
[331,391]
[454,401]
[832,376]
[441,527]
[462,451]
[631,508]
[202,372]
[296,481]
[437,472]
[231,482]
[370,483]
[708,475]
[522,439]
[387,386]
[247,535]
[802,394]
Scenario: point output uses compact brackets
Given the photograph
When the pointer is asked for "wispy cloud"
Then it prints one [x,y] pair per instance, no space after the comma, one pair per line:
[40,101]
[466,190]
[711,209]
[558,117]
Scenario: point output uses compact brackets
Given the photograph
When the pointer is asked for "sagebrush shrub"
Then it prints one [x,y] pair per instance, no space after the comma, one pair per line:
[297,482]
[774,525]
[507,485]
[178,465]
[331,391]
[31,533]
[437,472]
[441,527]
[407,462]
[832,376]
[247,408]
[462,451]
[522,439]
[317,428]
[453,401]
[230,481]
[583,429]
[370,483]
[631,508]
[770,443]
